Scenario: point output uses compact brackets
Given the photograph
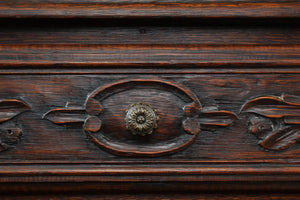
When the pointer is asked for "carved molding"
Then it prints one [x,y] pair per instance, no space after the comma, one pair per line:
[9,108]
[275,120]
[96,116]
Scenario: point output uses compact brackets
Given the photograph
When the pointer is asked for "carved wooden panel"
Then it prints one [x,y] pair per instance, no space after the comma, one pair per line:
[178,108]
[149,96]
[209,114]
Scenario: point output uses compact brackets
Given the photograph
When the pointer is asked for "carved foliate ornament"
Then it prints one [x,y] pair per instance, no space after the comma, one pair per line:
[10,108]
[274,120]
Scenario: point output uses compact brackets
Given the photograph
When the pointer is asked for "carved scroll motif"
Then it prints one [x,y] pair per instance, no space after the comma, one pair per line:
[10,108]
[276,120]
[106,127]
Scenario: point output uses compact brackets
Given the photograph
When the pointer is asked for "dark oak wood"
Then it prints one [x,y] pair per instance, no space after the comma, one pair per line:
[222,77]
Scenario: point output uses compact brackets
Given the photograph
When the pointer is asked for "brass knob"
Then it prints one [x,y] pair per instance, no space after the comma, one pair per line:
[141,119]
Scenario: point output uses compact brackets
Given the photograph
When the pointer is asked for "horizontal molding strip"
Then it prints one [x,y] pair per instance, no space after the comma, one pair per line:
[89,70]
[149,35]
[153,162]
[97,9]
[143,55]
[148,173]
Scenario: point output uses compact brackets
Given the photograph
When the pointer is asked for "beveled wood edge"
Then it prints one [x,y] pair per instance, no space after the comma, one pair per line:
[213,68]
[127,173]
[142,161]
[217,9]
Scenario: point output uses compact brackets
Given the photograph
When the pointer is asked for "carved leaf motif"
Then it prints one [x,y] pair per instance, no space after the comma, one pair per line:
[66,115]
[264,100]
[274,107]
[280,132]
[281,139]
[10,108]
[217,118]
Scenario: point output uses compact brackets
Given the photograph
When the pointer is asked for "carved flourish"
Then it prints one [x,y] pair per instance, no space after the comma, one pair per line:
[276,120]
[10,108]
[141,119]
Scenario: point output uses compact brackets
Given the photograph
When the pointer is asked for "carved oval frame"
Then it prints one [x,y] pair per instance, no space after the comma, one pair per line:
[192,119]
[162,148]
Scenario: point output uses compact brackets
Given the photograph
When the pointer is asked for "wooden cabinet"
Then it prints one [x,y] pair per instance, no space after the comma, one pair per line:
[149,99]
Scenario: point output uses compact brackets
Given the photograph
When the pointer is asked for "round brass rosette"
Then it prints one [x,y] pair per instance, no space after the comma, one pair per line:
[141,119]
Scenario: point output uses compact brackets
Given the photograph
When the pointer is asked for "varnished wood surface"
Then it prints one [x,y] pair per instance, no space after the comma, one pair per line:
[153,172]
[44,140]
[225,74]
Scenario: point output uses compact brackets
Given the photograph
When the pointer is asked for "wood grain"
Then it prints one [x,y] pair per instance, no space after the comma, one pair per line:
[159,55]
[146,33]
[54,54]
[140,178]
[43,140]
[142,44]
[55,9]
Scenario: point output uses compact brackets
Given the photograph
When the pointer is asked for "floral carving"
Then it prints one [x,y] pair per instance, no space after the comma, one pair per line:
[275,121]
[10,108]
